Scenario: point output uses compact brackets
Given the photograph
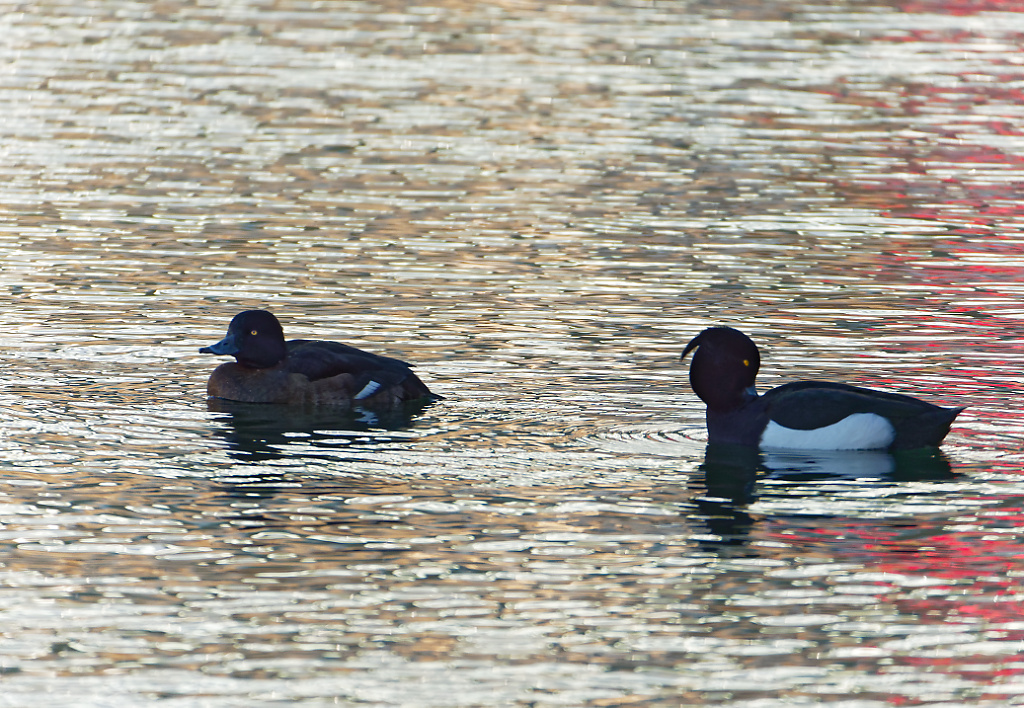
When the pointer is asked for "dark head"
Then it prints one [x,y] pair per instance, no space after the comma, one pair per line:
[255,339]
[724,367]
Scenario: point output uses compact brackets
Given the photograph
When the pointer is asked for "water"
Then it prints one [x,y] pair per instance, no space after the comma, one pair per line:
[538,205]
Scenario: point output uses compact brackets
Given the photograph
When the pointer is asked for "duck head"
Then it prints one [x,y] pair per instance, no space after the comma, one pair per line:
[723,368]
[255,339]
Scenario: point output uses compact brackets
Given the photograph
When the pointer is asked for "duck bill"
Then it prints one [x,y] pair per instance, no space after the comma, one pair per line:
[228,345]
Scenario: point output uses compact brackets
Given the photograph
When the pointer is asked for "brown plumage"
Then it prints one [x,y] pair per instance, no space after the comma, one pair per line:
[306,372]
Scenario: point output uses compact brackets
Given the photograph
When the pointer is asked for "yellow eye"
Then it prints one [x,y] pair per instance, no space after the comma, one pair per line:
[746,362]
[254,333]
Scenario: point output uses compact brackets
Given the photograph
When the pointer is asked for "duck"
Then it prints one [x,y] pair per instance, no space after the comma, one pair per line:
[802,415]
[267,369]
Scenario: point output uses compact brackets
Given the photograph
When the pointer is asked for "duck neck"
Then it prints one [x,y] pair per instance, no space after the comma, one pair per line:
[738,426]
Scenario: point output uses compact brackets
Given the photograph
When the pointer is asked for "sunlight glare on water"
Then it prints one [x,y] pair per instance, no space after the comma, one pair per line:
[538,206]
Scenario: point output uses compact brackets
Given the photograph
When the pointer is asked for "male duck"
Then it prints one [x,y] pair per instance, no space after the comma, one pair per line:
[808,415]
[303,371]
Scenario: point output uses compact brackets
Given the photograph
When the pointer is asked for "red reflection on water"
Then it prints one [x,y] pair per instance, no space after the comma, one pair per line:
[955,136]
[952,580]
[988,551]
[951,159]
[964,7]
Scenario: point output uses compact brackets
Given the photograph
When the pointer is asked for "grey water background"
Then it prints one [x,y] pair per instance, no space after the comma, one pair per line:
[538,204]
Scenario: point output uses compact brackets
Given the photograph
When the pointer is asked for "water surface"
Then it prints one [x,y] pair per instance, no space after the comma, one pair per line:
[538,205]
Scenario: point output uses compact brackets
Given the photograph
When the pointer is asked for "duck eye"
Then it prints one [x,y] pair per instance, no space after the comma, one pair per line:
[746,362]
[254,333]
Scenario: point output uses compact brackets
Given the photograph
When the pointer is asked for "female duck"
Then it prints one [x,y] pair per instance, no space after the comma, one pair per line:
[808,415]
[267,369]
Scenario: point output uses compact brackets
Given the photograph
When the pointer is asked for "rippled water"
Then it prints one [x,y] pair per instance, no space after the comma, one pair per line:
[538,205]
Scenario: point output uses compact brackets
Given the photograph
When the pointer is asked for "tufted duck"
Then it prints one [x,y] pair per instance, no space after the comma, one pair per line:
[267,369]
[808,415]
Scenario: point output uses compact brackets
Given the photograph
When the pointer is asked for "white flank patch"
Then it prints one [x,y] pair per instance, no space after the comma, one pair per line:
[860,431]
[368,390]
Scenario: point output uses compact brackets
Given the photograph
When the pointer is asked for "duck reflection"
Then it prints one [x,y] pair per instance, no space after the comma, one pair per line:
[927,464]
[726,481]
[728,475]
[260,432]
